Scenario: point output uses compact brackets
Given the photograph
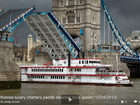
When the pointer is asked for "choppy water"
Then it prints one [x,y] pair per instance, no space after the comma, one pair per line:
[98,95]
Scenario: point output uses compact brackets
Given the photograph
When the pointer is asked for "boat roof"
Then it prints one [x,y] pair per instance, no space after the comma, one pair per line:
[83,59]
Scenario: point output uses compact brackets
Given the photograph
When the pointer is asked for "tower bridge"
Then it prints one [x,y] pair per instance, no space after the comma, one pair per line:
[81,19]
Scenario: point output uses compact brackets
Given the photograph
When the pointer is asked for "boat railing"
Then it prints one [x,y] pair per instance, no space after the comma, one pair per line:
[110,73]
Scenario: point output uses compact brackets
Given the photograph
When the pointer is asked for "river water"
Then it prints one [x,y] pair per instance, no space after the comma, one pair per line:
[45,94]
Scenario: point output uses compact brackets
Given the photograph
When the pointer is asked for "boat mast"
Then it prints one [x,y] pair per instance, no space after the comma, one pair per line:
[117,61]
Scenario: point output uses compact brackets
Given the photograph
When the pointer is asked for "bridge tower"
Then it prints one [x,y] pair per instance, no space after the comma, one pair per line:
[81,18]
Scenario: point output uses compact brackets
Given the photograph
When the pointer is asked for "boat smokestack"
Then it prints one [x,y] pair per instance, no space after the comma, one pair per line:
[83,55]
[69,59]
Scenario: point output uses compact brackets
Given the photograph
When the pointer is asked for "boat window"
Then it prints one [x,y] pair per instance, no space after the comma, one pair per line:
[99,62]
[86,62]
[92,61]
[79,62]
[82,62]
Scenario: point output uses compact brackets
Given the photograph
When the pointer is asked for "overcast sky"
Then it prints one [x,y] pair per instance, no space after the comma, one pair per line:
[125,13]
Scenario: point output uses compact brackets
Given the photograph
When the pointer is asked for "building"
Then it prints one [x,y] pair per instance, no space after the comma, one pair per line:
[81,18]
[38,42]
[135,35]
[31,44]
[1,9]
[134,40]
[20,53]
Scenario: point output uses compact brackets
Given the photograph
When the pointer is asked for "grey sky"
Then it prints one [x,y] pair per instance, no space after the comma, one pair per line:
[40,4]
[125,14]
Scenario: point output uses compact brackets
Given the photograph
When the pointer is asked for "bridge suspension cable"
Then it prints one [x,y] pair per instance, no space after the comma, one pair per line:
[108,34]
[104,28]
